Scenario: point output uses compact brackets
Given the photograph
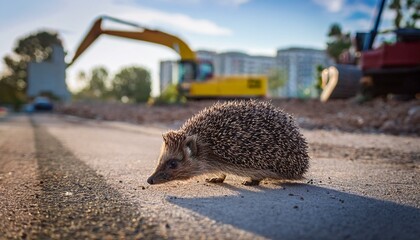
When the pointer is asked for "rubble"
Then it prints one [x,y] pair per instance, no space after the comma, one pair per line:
[377,116]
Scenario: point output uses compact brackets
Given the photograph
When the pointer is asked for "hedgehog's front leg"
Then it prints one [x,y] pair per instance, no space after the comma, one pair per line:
[252,182]
[218,179]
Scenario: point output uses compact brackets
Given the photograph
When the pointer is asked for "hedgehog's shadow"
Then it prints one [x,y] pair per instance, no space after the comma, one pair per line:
[302,211]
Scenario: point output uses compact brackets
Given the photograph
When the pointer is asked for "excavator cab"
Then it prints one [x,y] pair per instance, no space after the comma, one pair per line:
[190,71]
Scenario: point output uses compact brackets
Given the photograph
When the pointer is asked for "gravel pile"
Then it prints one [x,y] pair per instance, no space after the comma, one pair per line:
[378,116]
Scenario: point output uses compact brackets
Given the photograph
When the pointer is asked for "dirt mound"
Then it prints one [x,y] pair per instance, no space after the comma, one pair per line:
[378,116]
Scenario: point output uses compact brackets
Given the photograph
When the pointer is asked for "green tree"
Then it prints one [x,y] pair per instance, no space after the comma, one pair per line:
[96,84]
[170,95]
[132,84]
[37,47]
[318,82]
[277,78]
[407,13]
[335,30]
[9,95]
[338,41]
[34,47]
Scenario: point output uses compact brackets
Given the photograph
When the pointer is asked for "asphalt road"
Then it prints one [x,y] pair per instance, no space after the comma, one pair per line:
[63,177]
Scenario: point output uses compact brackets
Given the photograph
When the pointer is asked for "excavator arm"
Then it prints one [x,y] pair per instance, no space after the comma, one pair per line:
[143,34]
[195,78]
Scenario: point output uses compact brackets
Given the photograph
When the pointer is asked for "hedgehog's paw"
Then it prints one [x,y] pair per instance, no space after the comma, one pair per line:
[219,179]
[252,182]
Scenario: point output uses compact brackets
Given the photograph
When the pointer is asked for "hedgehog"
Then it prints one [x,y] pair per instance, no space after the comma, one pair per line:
[247,138]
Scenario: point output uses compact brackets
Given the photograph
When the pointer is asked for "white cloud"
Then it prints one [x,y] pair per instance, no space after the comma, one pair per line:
[261,51]
[366,23]
[346,9]
[220,2]
[358,8]
[181,22]
[363,25]
[388,14]
[331,5]
[388,17]
[235,2]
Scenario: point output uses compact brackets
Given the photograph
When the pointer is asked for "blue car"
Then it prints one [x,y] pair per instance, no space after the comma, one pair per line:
[42,104]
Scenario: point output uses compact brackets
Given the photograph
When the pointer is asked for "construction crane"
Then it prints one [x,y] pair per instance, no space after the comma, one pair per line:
[196,78]
[388,69]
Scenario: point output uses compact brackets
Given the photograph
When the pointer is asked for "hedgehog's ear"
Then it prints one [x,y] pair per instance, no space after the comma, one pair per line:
[190,146]
[165,137]
[168,136]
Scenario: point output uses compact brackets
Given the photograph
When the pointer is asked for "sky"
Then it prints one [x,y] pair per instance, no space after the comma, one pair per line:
[252,26]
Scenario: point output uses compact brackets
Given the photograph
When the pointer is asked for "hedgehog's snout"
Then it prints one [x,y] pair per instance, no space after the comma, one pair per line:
[150,180]
[158,177]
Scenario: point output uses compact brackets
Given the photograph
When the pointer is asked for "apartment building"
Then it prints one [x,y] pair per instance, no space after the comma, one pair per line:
[49,77]
[299,64]
[239,63]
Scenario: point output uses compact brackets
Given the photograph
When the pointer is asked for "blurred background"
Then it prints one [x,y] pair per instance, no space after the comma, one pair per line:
[65,53]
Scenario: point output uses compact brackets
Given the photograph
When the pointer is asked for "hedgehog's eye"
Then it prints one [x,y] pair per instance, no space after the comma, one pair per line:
[172,164]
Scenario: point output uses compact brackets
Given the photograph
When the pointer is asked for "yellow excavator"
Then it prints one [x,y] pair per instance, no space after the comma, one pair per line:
[196,78]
